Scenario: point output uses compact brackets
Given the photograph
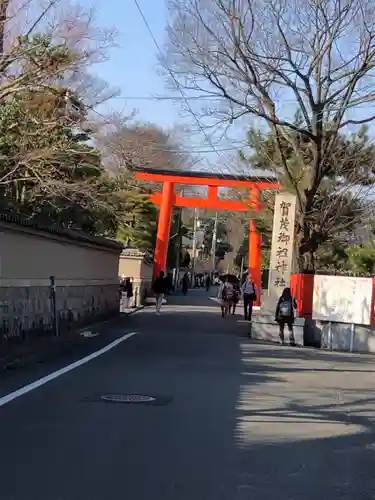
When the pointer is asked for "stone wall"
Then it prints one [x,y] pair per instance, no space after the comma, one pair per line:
[28,311]
[85,271]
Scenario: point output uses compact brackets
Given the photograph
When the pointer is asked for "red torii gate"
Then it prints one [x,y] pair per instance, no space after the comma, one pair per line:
[167,198]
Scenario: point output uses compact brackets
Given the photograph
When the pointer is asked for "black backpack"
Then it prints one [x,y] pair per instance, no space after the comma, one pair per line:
[226,293]
[286,309]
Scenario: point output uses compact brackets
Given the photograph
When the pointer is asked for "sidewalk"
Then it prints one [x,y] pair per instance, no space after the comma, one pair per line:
[263,327]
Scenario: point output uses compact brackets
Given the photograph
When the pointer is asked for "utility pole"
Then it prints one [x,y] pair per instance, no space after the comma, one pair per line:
[179,247]
[241,272]
[213,247]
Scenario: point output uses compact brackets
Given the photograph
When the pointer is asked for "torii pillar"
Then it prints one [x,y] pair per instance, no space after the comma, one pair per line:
[255,250]
[164,227]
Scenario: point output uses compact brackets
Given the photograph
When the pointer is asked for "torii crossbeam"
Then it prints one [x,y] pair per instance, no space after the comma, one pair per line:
[167,198]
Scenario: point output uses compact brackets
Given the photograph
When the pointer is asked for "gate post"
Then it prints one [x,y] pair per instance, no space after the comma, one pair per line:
[164,227]
[255,251]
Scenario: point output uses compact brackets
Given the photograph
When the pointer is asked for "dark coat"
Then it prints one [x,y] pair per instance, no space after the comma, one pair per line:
[129,289]
[160,285]
[283,319]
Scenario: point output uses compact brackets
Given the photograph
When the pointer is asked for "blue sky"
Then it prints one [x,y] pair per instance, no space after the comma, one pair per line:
[132,66]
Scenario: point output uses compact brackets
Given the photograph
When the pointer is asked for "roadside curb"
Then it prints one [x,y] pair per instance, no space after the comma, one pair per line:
[99,324]
[135,310]
[52,347]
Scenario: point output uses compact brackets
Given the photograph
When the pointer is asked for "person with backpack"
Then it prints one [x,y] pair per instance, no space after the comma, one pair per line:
[284,315]
[235,298]
[225,296]
[249,296]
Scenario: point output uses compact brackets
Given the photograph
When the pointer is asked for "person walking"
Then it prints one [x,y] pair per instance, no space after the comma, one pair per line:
[122,292]
[225,296]
[169,280]
[128,291]
[236,298]
[185,283]
[284,315]
[160,287]
[207,282]
[249,296]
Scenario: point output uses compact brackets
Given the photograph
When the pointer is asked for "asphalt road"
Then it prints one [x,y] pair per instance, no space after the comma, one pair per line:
[232,420]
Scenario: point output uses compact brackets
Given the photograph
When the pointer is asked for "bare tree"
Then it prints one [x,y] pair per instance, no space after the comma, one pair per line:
[233,227]
[126,143]
[271,59]
[4,4]
[236,233]
[68,25]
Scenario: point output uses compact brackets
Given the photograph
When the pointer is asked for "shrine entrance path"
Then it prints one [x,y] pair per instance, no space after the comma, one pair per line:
[230,419]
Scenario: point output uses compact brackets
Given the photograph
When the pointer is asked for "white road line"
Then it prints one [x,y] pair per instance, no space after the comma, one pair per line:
[48,378]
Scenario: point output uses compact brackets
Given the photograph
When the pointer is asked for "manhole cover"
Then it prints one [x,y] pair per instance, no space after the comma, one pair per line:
[128,398]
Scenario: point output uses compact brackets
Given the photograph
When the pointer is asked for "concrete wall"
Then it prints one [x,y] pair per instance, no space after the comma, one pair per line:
[265,328]
[316,333]
[85,271]
[132,264]
[339,337]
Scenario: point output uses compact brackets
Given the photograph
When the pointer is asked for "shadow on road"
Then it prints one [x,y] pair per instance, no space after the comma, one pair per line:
[312,433]
[264,421]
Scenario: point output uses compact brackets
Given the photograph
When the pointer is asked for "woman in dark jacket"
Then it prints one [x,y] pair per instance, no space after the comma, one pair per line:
[285,308]
[129,291]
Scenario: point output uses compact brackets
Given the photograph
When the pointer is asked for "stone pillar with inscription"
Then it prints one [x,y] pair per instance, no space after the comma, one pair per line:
[281,262]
